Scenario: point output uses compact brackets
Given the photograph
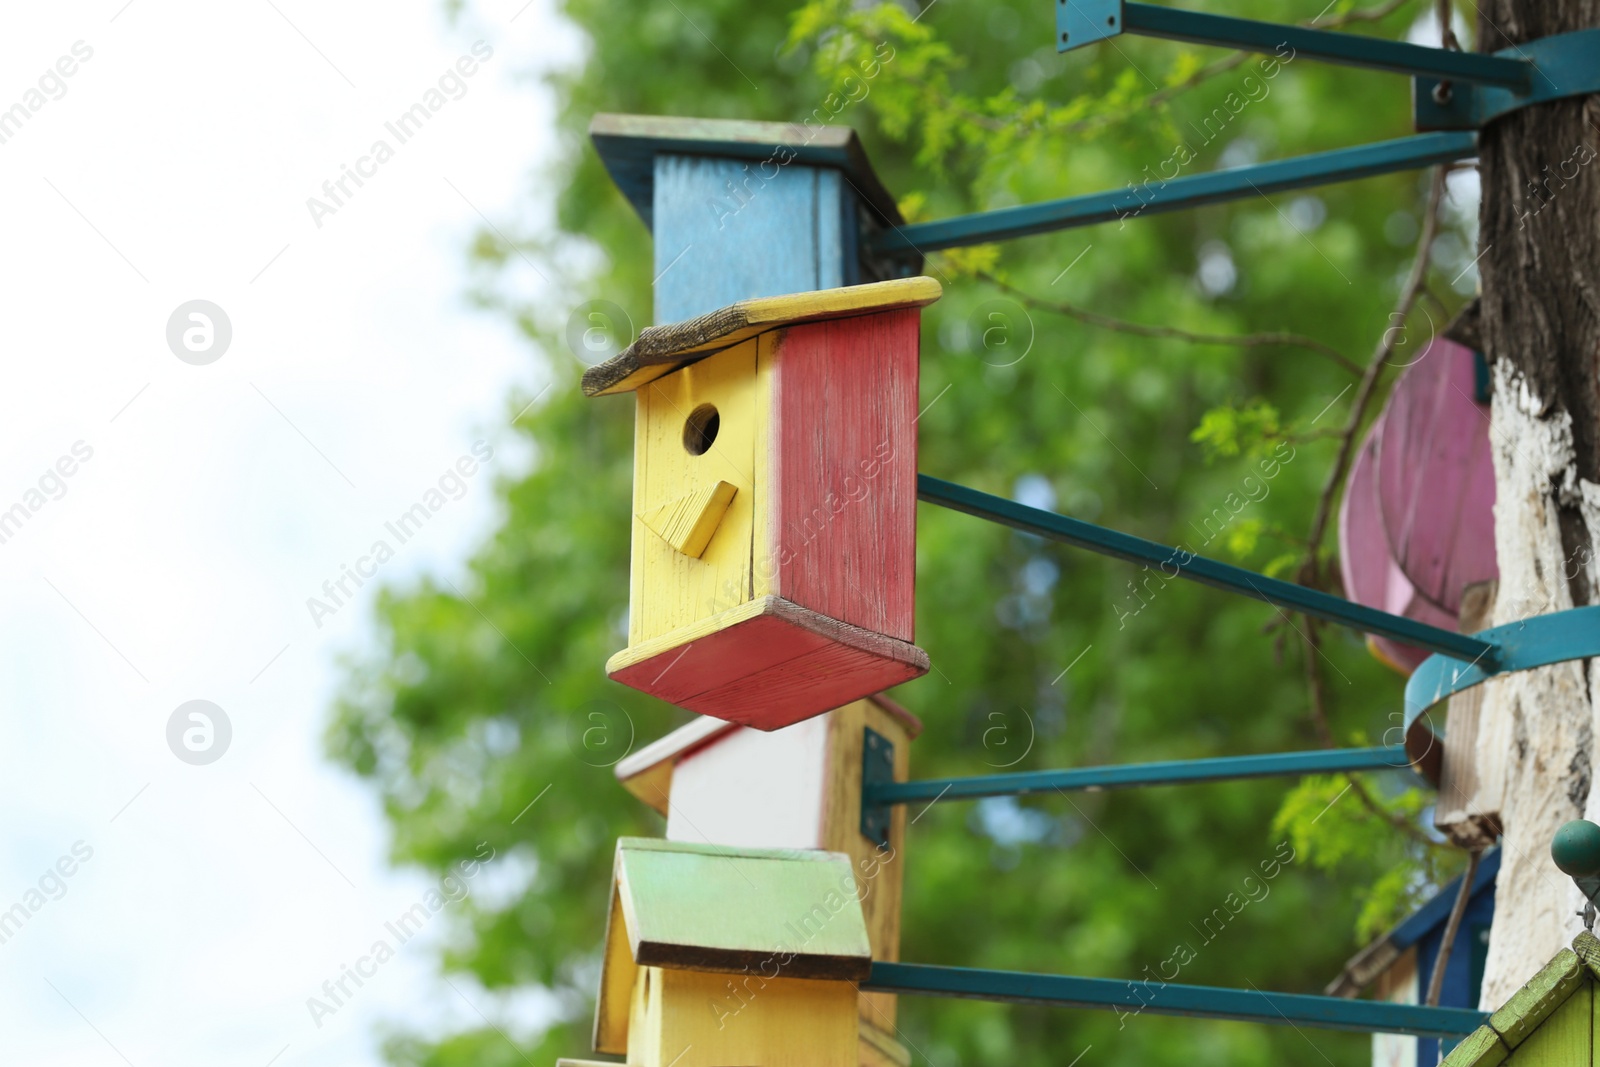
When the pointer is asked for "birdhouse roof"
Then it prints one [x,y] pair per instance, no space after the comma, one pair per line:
[660,350]
[629,144]
[647,773]
[1380,954]
[783,912]
[1540,1023]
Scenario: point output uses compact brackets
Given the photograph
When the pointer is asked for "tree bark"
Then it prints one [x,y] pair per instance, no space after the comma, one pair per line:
[1540,326]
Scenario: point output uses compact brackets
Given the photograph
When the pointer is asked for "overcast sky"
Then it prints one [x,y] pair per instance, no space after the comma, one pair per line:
[169,517]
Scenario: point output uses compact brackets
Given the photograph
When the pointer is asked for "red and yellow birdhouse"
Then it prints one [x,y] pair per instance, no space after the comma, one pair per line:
[774,501]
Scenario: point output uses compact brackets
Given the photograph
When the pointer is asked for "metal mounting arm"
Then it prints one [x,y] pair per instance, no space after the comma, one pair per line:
[1484,654]
[1083,22]
[1177,193]
[1166,998]
[879,791]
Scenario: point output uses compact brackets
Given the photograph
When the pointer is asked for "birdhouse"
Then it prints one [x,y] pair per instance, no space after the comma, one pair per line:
[1416,526]
[774,502]
[1399,965]
[799,788]
[1547,1023]
[718,956]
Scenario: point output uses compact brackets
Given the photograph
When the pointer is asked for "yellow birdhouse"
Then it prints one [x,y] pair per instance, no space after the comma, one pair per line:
[717,956]
[774,508]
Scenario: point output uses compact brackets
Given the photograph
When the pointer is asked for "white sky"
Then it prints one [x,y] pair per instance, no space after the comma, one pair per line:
[178,562]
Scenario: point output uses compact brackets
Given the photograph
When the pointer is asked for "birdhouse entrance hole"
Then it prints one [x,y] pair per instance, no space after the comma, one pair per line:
[700,430]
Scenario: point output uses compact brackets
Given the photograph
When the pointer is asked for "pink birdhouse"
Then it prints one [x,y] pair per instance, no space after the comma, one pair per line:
[1416,526]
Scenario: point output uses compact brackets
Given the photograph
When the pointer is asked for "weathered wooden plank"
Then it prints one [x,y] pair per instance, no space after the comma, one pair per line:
[629,144]
[722,234]
[1481,1048]
[1534,1002]
[845,410]
[767,663]
[659,350]
[672,590]
[880,872]
[1472,774]
[1566,1037]
[1587,948]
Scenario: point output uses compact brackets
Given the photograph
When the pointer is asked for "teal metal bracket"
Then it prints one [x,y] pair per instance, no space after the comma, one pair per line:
[1536,642]
[1165,998]
[878,793]
[877,771]
[1567,64]
[1181,563]
[1083,22]
[1480,89]
[1175,194]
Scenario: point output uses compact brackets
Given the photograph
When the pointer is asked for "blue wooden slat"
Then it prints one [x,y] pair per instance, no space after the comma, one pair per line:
[1292,1009]
[1320,168]
[1176,563]
[1436,911]
[1082,22]
[725,233]
[1170,772]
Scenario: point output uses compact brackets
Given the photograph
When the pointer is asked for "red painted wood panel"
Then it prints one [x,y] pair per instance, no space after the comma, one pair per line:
[777,668]
[845,470]
[831,677]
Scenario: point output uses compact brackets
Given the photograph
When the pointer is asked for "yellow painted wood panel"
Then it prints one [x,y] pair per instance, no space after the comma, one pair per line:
[764,555]
[701,1019]
[688,522]
[644,1026]
[618,974]
[670,589]
[1566,1038]
[878,873]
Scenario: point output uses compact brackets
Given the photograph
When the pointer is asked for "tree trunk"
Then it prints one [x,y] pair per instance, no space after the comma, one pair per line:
[1540,324]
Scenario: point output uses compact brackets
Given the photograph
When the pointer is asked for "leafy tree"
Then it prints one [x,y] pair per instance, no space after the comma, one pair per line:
[1187,377]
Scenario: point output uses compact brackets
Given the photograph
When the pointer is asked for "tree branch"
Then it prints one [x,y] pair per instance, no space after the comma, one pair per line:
[1319,721]
[1311,570]
[1464,894]
[1106,322]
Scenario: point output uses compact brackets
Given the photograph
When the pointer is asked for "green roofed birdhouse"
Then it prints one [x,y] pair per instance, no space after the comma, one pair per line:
[1550,1022]
[774,502]
[719,956]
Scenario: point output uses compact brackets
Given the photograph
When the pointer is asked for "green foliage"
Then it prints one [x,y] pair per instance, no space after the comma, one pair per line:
[485,699]
[1229,431]
[1330,823]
